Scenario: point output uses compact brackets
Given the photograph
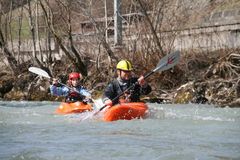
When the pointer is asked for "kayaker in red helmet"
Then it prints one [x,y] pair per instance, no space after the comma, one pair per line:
[123,81]
[74,92]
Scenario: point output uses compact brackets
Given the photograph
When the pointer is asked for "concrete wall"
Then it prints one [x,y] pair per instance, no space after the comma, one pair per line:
[209,38]
[26,50]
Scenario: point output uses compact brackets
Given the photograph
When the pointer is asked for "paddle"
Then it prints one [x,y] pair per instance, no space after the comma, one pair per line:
[43,73]
[165,63]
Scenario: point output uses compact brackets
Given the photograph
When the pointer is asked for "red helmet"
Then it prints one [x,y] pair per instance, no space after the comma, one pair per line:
[74,75]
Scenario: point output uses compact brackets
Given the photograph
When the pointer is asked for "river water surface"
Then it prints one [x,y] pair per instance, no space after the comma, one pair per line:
[31,131]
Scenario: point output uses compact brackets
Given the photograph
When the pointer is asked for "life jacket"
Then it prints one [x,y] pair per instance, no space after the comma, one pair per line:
[132,95]
[115,88]
[74,97]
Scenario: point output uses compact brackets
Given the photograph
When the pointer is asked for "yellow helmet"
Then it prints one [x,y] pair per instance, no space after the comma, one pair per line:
[124,65]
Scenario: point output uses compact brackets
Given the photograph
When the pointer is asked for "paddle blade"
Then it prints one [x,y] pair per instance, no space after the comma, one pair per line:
[168,61]
[39,72]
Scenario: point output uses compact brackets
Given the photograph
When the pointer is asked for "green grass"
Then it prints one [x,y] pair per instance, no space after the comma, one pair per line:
[25,29]
[228,5]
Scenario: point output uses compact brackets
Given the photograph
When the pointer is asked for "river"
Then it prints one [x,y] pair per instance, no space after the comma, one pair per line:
[31,131]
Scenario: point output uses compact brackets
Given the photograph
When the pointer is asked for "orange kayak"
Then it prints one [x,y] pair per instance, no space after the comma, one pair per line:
[126,111]
[76,107]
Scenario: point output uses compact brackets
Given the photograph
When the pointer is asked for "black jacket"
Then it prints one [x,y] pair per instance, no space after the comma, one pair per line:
[116,87]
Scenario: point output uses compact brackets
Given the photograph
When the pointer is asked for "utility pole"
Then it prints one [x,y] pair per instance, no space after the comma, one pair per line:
[117,23]
[106,21]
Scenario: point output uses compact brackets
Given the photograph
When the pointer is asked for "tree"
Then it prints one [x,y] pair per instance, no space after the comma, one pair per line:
[86,11]
[13,64]
[71,53]
[153,30]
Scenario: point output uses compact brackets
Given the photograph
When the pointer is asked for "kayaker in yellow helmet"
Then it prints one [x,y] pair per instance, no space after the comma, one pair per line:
[123,81]
[74,92]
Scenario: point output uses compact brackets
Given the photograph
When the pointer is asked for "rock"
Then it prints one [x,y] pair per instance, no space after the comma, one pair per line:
[222,92]
[5,87]
[235,103]
[184,93]
[238,88]
[15,95]
[193,92]
[6,83]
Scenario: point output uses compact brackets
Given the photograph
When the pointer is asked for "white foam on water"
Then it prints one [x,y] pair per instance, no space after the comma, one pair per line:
[194,112]
[211,118]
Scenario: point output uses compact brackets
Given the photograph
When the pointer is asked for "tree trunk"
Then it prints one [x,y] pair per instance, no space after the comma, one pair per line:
[155,36]
[32,29]
[6,52]
[8,55]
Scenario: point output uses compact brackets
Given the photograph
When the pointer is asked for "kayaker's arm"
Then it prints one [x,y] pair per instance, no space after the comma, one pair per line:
[83,91]
[109,94]
[86,95]
[58,90]
[145,88]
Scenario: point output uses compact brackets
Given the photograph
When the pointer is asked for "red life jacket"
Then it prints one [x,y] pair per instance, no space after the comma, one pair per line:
[74,96]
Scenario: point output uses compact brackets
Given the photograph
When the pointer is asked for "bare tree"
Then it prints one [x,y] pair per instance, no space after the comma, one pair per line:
[153,30]
[20,17]
[33,33]
[13,64]
[86,11]
[72,54]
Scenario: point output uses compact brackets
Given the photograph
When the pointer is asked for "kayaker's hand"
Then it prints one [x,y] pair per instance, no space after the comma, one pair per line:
[108,103]
[87,100]
[142,81]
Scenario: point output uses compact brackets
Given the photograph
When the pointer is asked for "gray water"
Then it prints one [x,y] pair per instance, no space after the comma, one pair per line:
[31,130]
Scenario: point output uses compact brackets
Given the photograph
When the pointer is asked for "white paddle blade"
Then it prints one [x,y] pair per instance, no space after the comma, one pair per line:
[39,72]
[168,61]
